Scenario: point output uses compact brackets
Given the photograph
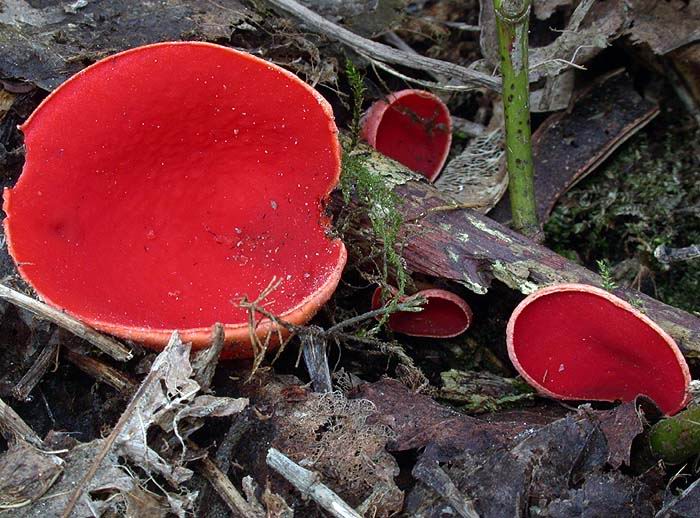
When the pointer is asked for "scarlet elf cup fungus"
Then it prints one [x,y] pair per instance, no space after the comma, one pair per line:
[164,183]
[413,127]
[444,315]
[574,341]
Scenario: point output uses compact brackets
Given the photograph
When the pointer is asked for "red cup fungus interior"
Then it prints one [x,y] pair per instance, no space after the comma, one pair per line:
[164,183]
[444,315]
[413,127]
[575,341]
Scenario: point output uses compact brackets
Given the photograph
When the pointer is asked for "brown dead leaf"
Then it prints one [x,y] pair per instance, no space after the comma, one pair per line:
[686,60]
[558,469]
[110,480]
[417,421]
[621,426]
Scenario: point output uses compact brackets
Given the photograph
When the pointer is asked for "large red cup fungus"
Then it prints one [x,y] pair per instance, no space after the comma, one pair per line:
[444,315]
[574,341]
[413,127]
[164,183]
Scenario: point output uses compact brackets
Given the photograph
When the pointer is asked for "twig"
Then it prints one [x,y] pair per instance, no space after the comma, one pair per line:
[308,483]
[318,336]
[225,489]
[433,85]
[384,53]
[668,255]
[512,27]
[104,343]
[223,459]
[432,475]
[394,39]
[109,441]
[204,362]
[412,305]
[314,347]
[33,376]
[101,372]
[13,426]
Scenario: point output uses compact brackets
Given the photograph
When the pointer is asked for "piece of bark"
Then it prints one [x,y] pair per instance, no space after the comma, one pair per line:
[14,429]
[570,145]
[101,371]
[444,240]
[33,376]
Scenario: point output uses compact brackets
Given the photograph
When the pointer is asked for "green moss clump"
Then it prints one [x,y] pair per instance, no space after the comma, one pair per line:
[375,199]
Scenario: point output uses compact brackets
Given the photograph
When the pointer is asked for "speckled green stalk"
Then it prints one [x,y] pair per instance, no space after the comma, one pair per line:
[512,18]
[676,439]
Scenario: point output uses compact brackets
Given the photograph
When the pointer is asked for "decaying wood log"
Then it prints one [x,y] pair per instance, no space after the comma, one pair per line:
[445,240]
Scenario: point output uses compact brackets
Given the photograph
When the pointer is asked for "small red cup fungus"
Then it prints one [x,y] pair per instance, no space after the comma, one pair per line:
[574,341]
[444,315]
[164,183]
[413,127]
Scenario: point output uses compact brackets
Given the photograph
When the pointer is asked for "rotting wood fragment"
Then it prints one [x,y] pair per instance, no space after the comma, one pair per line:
[32,377]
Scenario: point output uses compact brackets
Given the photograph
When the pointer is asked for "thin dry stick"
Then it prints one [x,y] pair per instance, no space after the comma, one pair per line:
[667,255]
[412,305]
[104,343]
[205,361]
[316,359]
[109,441]
[335,332]
[225,489]
[13,426]
[101,371]
[33,376]
[421,82]
[384,53]
[308,483]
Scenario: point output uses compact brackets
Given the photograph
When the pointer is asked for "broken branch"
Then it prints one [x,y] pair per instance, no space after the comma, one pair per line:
[104,343]
[384,53]
[225,489]
[307,482]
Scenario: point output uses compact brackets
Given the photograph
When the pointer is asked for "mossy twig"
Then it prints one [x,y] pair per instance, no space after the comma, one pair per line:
[512,18]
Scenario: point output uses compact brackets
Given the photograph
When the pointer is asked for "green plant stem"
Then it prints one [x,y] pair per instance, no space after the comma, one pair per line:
[676,439]
[512,17]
